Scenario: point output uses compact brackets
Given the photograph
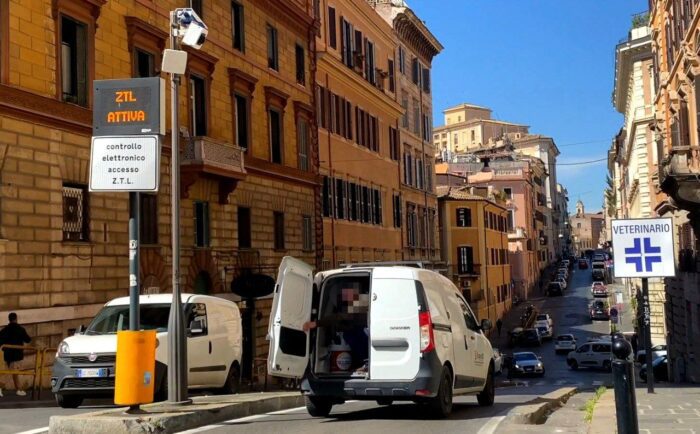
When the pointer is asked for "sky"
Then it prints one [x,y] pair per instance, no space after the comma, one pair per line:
[549,64]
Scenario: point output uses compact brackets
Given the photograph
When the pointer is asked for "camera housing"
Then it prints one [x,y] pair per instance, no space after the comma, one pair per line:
[193,31]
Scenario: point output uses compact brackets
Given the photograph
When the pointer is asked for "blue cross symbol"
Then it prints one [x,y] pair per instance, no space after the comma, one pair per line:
[638,256]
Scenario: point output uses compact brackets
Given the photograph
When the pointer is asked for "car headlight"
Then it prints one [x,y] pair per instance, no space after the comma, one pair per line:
[63,349]
[539,365]
[517,366]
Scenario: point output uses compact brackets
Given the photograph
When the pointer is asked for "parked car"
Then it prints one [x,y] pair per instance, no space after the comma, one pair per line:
[660,366]
[582,264]
[554,288]
[599,271]
[527,363]
[562,281]
[564,343]
[563,272]
[409,337]
[597,284]
[497,361]
[85,363]
[656,352]
[591,355]
[599,311]
[599,290]
[544,330]
[545,317]
[530,337]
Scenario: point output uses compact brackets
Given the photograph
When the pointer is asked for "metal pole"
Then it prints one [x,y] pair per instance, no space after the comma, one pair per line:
[647,335]
[625,400]
[177,344]
[134,212]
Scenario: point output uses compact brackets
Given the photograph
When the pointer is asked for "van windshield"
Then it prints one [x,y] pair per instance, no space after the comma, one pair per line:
[112,319]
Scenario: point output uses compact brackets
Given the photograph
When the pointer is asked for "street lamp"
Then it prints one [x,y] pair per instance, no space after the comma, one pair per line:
[187,28]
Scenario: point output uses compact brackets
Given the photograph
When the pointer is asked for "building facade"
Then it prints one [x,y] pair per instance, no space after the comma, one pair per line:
[249,176]
[586,229]
[474,239]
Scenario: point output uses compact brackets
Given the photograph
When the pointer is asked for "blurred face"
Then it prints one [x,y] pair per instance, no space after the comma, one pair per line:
[354,302]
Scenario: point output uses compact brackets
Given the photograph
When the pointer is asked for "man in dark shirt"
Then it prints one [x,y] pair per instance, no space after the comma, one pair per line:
[14,334]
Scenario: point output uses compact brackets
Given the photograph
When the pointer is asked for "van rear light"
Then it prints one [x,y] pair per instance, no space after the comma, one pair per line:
[427,339]
[422,392]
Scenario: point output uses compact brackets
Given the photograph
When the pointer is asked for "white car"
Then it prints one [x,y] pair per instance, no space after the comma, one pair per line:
[544,329]
[407,335]
[562,281]
[85,363]
[596,354]
[564,343]
[545,317]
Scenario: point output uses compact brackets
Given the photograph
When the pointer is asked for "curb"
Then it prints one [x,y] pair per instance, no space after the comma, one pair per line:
[164,418]
[536,411]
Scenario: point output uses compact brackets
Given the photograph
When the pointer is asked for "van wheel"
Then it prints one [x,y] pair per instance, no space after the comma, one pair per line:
[573,365]
[441,405]
[233,381]
[318,406]
[487,396]
[385,401]
[69,401]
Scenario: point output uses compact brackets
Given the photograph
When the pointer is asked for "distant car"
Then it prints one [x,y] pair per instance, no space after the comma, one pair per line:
[564,343]
[497,361]
[545,317]
[526,363]
[599,290]
[656,352]
[660,366]
[597,284]
[599,311]
[514,336]
[554,288]
[564,272]
[562,281]
[595,354]
[530,337]
[544,330]
[582,264]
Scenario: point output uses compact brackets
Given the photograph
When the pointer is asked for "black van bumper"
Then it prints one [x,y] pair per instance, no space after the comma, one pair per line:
[424,385]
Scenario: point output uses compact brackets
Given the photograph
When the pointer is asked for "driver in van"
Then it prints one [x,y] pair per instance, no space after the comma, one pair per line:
[350,317]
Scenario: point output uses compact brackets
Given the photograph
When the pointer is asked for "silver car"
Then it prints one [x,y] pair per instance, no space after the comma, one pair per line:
[527,363]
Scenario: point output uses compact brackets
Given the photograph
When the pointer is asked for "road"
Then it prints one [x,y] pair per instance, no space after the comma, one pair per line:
[570,315]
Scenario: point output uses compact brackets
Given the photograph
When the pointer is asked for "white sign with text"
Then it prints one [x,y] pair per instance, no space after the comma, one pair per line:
[643,247]
[125,163]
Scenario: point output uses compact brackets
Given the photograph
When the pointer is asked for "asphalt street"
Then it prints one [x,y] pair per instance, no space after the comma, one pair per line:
[570,315]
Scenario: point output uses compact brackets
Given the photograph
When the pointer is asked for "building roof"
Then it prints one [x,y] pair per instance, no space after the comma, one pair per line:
[463,106]
[462,193]
[476,121]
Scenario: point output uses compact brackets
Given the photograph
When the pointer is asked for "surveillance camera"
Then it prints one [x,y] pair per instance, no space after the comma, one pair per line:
[192,29]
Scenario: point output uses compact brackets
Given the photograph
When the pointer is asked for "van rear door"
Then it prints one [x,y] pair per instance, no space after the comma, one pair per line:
[291,308]
[394,328]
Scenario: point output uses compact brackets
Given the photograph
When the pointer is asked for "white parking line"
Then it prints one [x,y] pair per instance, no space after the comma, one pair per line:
[491,425]
[241,420]
[35,431]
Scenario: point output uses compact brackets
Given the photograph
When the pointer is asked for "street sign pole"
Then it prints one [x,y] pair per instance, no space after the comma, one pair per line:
[647,335]
[134,212]
[177,344]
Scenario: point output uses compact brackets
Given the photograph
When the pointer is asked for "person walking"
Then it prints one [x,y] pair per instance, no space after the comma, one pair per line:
[14,334]
[499,324]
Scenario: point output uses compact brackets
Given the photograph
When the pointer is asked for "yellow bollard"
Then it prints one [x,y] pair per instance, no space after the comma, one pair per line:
[135,368]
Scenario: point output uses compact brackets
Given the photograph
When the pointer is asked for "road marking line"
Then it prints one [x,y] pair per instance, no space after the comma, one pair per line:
[491,425]
[240,420]
[540,383]
[36,431]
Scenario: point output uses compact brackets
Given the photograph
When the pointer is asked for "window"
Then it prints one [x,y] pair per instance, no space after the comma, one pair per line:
[148,218]
[508,192]
[300,64]
[237,20]
[411,225]
[275,118]
[402,60]
[198,106]
[340,198]
[392,78]
[426,79]
[416,118]
[306,234]
[303,144]
[353,202]
[346,38]
[144,64]
[201,224]
[272,52]
[404,116]
[332,32]
[394,143]
[469,319]
[397,210]
[377,207]
[76,223]
[74,68]
[408,169]
[244,228]
[464,217]
[415,71]
[465,260]
[279,230]
[242,111]
[366,205]
[370,70]
[327,196]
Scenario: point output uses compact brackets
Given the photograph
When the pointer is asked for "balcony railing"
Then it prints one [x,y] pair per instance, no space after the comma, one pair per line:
[204,157]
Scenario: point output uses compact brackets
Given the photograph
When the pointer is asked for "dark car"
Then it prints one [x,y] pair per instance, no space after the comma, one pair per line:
[599,311]
[582,264]
[660,366]
[554,288]
[530,337]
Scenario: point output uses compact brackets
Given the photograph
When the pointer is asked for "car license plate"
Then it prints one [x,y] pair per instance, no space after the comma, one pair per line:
[92,373]
[529,368]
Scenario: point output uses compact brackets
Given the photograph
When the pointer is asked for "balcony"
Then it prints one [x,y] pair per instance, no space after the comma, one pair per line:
[206,158]
[517,234]
[679,177]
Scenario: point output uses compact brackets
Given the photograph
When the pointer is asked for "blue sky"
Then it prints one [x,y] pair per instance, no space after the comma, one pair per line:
[548,64]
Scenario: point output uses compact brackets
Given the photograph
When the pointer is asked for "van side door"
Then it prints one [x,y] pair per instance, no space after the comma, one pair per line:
[199,363]
[462,342]
[477,363]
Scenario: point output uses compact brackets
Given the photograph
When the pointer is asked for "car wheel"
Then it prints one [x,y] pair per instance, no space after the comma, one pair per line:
[573,364]
[69,401]
[441,405]
[318,406]
[606,365]
[385,401]
[488,394]
[233,381]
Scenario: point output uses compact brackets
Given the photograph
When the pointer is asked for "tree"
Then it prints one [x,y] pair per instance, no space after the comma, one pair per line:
[611,197]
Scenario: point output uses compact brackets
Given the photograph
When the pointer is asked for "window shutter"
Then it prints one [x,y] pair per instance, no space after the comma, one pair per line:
[426,80]
[332,37]
[685,128]
[414,70]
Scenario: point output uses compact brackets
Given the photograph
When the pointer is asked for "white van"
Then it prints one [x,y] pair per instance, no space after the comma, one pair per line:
[85,363]
[596,354]
[384,333]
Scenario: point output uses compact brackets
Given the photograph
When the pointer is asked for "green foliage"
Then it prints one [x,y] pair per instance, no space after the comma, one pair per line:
[610,196]
[590,404]
[640,20]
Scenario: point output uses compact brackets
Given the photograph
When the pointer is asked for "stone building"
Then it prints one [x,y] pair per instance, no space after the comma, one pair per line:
[250,185]
[586,230]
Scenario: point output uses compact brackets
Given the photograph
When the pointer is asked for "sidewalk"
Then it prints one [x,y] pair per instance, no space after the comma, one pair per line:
[672,409]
